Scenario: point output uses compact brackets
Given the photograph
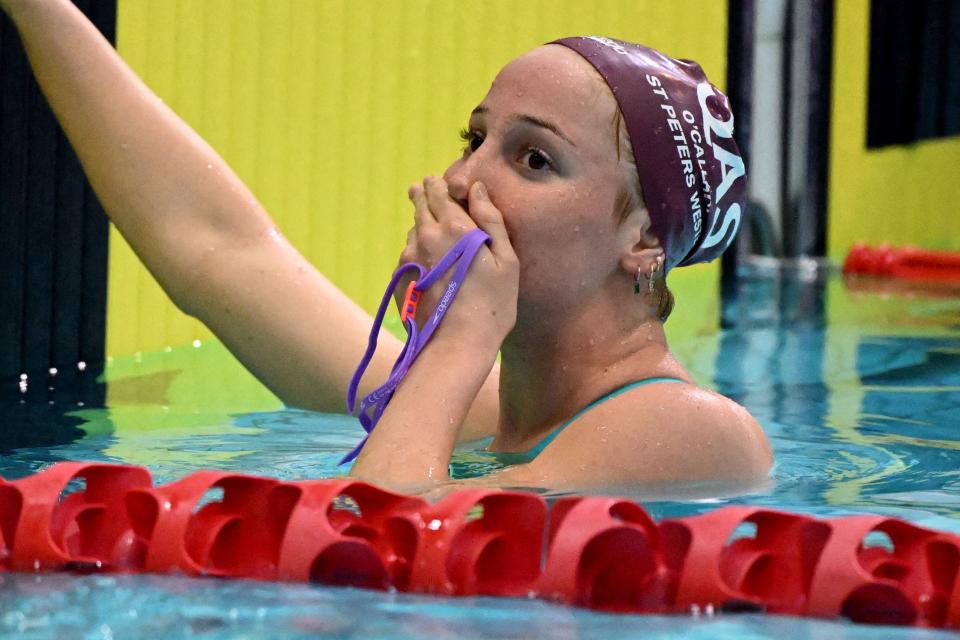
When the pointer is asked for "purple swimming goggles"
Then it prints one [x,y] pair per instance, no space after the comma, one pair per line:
[460,257]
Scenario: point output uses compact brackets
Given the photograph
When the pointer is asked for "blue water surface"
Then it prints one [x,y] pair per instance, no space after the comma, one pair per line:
[857,386]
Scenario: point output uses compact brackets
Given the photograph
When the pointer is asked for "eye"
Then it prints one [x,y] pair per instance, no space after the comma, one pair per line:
[471,140]
[536,160]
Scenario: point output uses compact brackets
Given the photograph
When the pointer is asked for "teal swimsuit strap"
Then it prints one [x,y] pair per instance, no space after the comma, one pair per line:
[540,446]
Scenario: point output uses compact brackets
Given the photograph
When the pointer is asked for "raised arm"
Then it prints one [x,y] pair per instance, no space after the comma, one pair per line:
[196,226]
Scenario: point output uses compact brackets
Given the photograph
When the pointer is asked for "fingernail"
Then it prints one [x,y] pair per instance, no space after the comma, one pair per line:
[481,191]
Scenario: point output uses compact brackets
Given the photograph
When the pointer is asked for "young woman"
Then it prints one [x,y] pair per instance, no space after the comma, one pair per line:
[594,166]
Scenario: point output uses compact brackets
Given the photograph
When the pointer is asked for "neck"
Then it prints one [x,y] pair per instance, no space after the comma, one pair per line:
[552,368]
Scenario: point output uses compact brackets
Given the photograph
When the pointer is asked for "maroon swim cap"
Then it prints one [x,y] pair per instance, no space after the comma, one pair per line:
[681,130]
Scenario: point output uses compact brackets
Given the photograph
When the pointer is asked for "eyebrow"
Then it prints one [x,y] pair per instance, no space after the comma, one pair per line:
[535,121]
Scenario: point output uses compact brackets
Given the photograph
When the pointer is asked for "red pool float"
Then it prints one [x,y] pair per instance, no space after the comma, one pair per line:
[598,552]
[903,262]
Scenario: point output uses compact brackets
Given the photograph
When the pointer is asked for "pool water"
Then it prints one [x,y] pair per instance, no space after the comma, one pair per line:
[857,386]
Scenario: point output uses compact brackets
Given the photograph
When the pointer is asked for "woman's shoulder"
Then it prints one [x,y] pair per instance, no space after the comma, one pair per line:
[666,433]
[719,425]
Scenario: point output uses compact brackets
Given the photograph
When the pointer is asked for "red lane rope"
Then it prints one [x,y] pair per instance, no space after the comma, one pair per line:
[598,552]
[904,262]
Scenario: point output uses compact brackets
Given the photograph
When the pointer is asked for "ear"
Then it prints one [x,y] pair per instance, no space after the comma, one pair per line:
[640,249]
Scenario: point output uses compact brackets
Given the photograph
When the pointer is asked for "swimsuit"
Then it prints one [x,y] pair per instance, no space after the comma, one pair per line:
[521,457]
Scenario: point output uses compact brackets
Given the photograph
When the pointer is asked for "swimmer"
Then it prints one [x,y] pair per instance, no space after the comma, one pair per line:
[591,195]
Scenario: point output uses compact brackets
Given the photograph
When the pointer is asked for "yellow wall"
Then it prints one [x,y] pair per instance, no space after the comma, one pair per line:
[899,195]
[329,109]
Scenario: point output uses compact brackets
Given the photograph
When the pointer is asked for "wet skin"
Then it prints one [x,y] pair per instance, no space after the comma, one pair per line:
[543,145]
[554,292]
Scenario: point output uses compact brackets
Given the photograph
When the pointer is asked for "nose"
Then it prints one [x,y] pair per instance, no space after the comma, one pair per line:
[459,176]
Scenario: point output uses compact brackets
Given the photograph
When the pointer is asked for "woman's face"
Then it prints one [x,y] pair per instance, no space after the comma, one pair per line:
[544,144]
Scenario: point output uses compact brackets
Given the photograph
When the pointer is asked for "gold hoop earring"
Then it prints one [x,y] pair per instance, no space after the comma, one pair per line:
[654,268]
[649,276]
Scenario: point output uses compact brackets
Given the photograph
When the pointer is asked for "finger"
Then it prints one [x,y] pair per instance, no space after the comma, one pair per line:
[409,253]
[489,218]
[444,207]
[421,208]
[436,195]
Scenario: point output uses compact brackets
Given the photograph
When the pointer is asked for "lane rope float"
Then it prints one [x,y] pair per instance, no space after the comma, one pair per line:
[603,553]
[909,263]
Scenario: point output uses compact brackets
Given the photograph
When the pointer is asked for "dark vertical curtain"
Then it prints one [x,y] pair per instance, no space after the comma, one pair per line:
[914,71]
[53,250]
[741,16]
